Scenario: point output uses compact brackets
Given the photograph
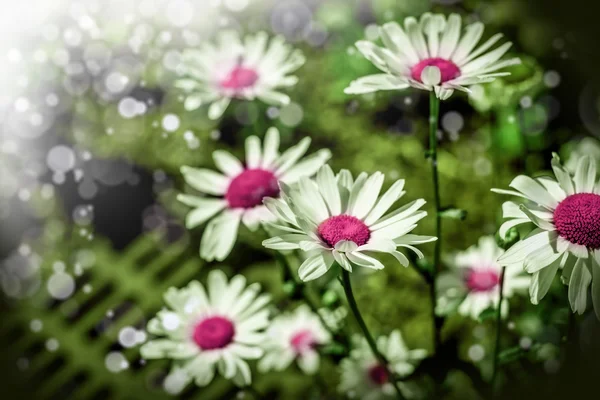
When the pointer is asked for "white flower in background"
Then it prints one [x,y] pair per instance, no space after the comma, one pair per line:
[363,377]
[202,331]
[237,193]
[585,147]
[473,282]
[431,54]
[294,336]
[566,211]
[337,218]
[236,68]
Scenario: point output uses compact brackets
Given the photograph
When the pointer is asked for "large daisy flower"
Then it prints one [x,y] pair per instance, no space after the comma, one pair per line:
[201,331]
[237,193]
[566,211]
[294,336]
[431,54]
[232,68]
[337,218]
[363,377]
[473,281]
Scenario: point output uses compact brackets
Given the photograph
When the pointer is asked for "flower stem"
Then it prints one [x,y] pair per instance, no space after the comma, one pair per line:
[434,111]
[363,326]
[498,326]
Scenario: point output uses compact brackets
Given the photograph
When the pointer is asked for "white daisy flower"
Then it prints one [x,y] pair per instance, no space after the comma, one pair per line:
[566,211]
[201,331]
[363,377]
[231,68]
[473,284]
[341,219]
[237,193]
[294,336]
[431,54]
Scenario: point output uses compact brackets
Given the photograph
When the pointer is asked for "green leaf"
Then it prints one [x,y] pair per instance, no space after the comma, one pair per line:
[488,313]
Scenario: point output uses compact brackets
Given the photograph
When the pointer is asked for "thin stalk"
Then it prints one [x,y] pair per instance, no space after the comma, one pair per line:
[363,326]
[434,111]
[498,330]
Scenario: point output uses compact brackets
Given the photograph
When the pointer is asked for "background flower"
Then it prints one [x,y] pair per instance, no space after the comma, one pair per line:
[473,283]
[238,68]
[295,336]
[238,191]
[202,331]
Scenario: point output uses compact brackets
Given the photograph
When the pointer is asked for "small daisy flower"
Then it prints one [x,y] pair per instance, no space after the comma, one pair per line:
[363,377]
[237,193]
[474,280]
[294,336]
[337,218]
[232,68]
[202,331]
[431,54]
[566,212]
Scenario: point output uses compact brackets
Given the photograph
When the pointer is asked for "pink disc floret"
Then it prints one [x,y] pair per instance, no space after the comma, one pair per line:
[577,219]
[448,69]
[248,189]
[303,341]
[239,78]
[214,333]
[378,374]
[482,279]
[344,227]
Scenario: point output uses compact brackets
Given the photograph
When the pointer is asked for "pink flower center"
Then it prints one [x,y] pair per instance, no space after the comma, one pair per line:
[239,78]
[378,375]
[213,333]
[482,279]
[344,227]
[248,189]
[577,219]
[448,69]
[303,341]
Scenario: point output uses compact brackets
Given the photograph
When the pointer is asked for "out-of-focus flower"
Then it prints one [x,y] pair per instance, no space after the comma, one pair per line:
[220,328]
[431,54]
[473,282]
[566,212]
[236,68]
[294,336]
[364,377]
[239,190]
[344,220]
[585,147]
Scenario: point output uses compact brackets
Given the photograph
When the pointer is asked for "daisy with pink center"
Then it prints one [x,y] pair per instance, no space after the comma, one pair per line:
[236,68]
[432,54]
[363,377]
[566,213]
[207,330]
[472,284]
[291,337]
[236,194]
[338,218]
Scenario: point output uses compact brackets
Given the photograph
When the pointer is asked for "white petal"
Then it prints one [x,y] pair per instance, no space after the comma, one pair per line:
[307,167]
[541,223]
[595,266]
[396,40]
[376,82]
[205,180]
[585,175]
[364,260]
[329,189]
[578,286]
[563,176]
[540,258]
[216,109]
[431,76]
[541,281]
[291,156]
[227,163]
[522,249]
[314,267]
[271,148]
[367,196]
[467,43]
[413,30]
[450,36]
[534,191]
[253,153]
[219,236]
[274,98]
[205,209]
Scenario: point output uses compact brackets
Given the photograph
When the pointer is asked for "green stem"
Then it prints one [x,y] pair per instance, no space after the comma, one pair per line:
[498,330]
[363,326]
[434,111]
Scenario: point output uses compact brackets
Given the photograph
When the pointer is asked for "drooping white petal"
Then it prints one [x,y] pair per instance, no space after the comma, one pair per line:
[216,109]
